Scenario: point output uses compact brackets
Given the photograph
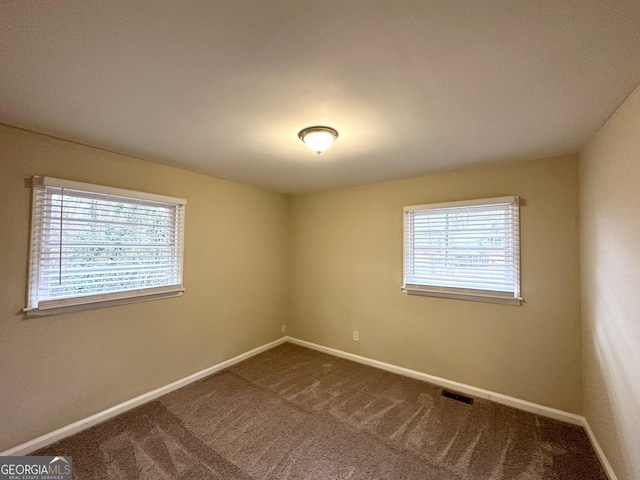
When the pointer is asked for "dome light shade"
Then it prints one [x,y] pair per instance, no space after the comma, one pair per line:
[318,139]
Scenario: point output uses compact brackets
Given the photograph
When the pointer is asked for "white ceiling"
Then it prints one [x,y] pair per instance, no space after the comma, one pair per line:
[413,87]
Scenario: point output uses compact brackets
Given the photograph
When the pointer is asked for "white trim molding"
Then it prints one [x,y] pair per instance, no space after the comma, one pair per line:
[443,382]
[525,405]
[598,449]
[52,437]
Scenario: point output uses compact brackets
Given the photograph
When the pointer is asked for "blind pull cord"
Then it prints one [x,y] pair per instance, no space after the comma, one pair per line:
[60,241]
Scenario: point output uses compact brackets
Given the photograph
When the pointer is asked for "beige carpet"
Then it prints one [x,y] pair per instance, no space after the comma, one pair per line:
[294,413]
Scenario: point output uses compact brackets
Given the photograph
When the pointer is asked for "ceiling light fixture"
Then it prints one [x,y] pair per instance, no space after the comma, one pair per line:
[318,139]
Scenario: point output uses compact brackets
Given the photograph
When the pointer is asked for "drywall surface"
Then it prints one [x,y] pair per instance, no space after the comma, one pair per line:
[346,274]
[610,243]
[59,369]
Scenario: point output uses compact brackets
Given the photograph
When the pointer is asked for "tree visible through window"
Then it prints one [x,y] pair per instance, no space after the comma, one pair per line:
[92,244]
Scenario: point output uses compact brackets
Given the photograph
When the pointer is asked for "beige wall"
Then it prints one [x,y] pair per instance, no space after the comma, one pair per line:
[346,272]
[610,243]
[59,369]
[333,257]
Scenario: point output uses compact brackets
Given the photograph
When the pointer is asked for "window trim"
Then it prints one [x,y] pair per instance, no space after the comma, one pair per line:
[490,296]
[98,300]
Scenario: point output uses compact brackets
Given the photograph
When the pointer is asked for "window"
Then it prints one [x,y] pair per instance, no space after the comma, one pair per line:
[468,250]
[93,244]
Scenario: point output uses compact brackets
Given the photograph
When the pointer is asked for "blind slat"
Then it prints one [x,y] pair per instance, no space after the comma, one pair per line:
[463,247]
[98,242]
[104,286]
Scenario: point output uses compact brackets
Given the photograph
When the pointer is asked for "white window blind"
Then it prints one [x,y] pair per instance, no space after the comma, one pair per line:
[91,244]
[467,250]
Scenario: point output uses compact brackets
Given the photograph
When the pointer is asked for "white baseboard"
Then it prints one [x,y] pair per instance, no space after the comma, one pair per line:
[52,437]
[443,382]
[457,386]
[596,446]
[531,407]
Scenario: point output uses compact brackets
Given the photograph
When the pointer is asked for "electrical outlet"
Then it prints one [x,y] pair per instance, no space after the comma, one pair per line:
[356,336]
[284,328]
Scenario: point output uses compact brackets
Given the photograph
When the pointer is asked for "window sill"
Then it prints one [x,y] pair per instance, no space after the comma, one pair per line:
[94,304]
[462,295]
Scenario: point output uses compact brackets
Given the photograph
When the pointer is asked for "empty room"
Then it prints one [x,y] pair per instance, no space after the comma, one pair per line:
[333,239]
